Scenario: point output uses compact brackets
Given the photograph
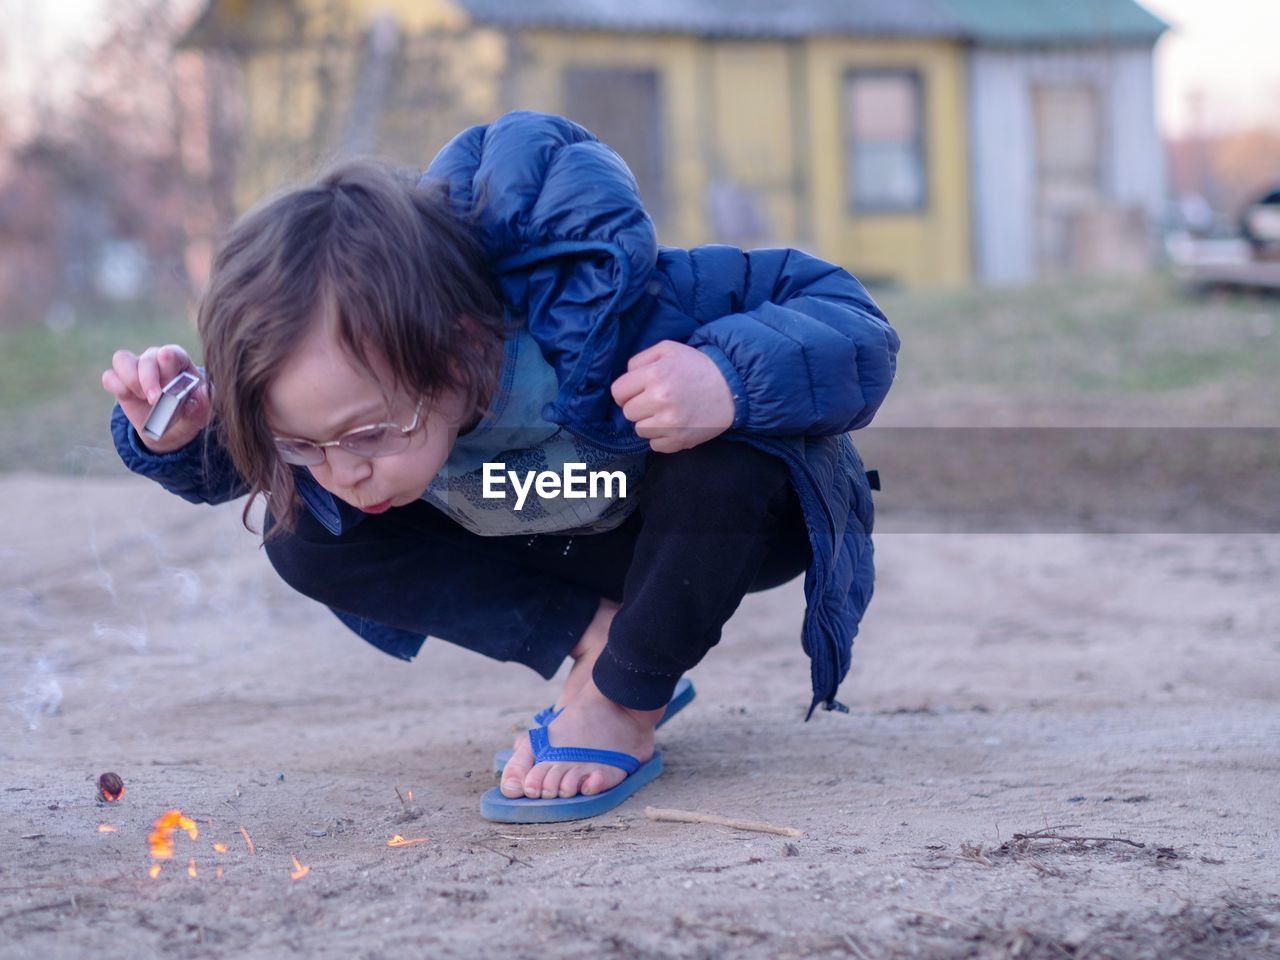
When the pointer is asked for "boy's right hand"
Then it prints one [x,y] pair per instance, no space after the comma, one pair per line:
[135,381]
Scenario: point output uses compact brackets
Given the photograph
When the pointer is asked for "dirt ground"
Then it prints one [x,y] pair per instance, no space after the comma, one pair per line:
[1120,687]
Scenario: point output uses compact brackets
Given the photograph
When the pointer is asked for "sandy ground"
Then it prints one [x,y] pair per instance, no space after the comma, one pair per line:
[1083,685]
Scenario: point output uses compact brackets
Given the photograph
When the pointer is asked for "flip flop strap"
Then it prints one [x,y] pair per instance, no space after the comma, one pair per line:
[684,688]
[544,716]
[543,750]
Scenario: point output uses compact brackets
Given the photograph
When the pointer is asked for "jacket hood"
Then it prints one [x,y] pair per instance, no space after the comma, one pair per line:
[568,239]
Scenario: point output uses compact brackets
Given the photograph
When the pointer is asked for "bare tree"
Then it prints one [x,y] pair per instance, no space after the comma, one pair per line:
[132,168]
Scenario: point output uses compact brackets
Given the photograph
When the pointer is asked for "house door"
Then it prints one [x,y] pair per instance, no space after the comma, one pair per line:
[620,106]
[1068,169]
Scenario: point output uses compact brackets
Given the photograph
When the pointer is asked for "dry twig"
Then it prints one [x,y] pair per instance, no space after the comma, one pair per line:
[688,816]
[942,917]
[1047,870]
[854,947]
[1043,835]
[511,858]
[969,851]
[37,909]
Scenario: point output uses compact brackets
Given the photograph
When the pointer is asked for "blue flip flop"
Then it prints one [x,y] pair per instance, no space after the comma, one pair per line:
[494,806]
[680,698]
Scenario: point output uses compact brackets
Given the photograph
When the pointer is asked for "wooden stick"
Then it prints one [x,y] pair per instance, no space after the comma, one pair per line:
[512,859]
[37,909]
[943,917]
[688,816]
[1042,835]
[854,948]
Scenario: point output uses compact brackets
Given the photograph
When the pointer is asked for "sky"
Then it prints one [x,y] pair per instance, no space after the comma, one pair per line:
[1226,50]
[1229,50]
[35,38]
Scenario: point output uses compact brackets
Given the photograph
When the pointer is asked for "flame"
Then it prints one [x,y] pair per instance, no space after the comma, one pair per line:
[191,867]
[219,848]
[107,828]
[248,841]
[299,871]
[399,841]
[217,874]
[154,871]
[410,796]
[161,838]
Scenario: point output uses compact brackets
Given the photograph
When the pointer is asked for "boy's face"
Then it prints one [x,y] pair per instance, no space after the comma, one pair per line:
[321,393]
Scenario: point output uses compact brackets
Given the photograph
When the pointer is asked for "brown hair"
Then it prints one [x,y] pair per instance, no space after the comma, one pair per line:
[385,259]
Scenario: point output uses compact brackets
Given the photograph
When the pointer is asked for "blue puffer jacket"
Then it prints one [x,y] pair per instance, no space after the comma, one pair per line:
[808,356]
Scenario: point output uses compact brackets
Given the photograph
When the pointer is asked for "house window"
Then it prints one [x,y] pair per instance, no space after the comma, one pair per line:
[621,107]
[884,158]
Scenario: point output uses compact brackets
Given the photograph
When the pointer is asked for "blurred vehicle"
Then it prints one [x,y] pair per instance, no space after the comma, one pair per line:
[1260,225]
[1248,260]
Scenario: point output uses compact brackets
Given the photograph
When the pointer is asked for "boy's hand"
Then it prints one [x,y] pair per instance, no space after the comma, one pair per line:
[136,382]
[675,395]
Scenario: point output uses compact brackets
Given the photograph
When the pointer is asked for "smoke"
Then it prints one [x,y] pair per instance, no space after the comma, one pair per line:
[40,697]
[20,608]
[80,458]
[186,585]
[180,585]
[136,637]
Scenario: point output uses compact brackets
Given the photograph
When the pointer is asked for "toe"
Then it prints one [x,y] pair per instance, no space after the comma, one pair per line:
[517,769]
[571,782]
[532,786]
[599,779]
[551,781]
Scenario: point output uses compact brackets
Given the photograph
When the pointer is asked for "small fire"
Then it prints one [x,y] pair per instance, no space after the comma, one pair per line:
[107,828]
[191,867]
[248,841]
[161,838]
[410,796]
[399,841]
[154,871]
[219,848]
[217,874]
[299,871]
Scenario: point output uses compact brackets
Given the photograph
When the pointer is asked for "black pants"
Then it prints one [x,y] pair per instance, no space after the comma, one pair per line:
[712,524]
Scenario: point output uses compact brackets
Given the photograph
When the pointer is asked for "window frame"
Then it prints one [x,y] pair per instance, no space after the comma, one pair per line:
[851,201]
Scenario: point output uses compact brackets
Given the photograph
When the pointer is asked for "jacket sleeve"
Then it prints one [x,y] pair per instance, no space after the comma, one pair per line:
[200,472]
[804,348]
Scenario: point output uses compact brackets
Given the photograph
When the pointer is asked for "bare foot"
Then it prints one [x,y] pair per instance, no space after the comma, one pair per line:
[590,719]
[587,651]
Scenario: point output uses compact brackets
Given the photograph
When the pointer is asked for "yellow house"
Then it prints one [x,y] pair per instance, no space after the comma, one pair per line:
[810,125]
[924,142]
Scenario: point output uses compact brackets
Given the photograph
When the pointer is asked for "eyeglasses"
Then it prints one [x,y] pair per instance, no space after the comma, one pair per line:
[373,440]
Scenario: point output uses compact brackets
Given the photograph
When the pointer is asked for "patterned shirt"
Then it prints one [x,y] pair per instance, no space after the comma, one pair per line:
[514,432]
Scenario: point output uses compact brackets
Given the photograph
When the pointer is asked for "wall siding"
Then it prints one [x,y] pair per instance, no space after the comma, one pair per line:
[1002,144]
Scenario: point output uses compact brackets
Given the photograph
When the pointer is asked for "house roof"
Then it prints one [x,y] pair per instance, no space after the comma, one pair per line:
[1061,21]
[750,18]
[981,21]
[996,22]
